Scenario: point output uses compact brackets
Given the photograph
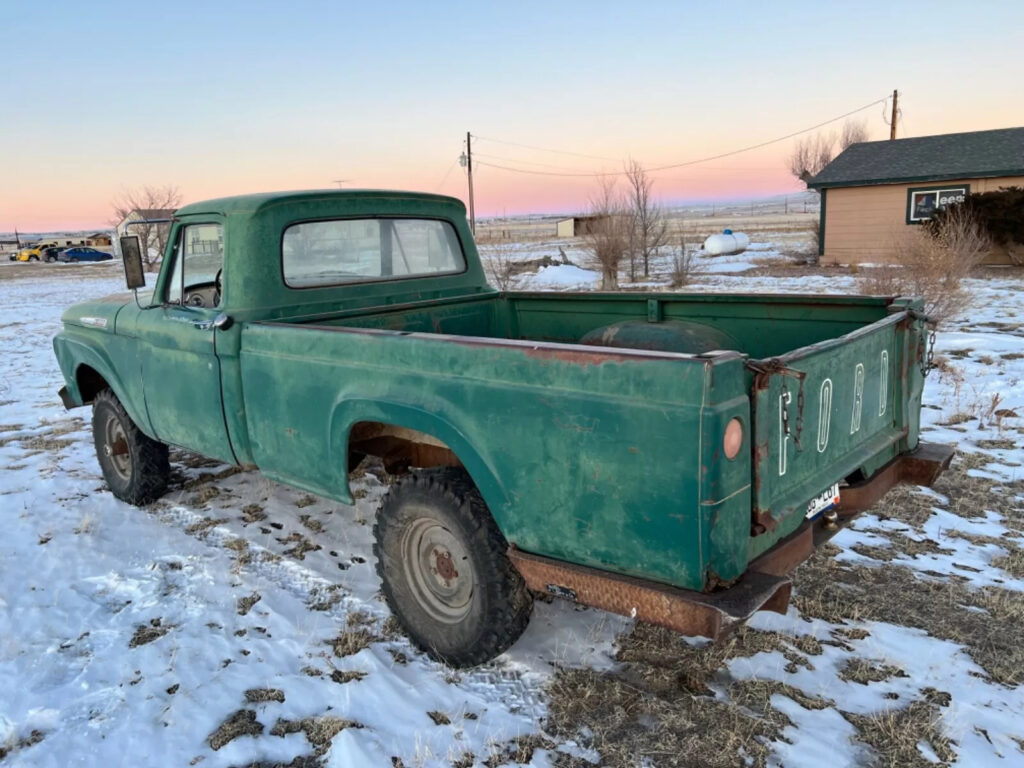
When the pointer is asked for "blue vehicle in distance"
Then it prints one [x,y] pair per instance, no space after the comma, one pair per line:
[83,254]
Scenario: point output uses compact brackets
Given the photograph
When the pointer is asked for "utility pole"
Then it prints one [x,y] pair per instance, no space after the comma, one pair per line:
[467,163]
[892,120]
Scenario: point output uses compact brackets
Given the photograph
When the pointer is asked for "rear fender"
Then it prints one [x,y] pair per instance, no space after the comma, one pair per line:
[352,411]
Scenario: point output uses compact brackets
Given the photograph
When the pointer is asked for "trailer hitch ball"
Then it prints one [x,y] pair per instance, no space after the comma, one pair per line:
[830,517]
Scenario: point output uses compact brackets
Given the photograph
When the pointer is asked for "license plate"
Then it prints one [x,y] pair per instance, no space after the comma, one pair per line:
[824,500]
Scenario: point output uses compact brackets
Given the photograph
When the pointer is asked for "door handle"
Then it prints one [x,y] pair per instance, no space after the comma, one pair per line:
[223,321]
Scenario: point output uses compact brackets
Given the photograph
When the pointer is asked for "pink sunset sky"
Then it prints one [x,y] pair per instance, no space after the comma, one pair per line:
[265,96]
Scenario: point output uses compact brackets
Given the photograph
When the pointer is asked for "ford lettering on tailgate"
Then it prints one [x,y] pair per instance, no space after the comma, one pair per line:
[821,412]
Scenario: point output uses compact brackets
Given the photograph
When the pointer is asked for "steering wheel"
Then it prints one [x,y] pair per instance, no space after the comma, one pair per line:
[217,287]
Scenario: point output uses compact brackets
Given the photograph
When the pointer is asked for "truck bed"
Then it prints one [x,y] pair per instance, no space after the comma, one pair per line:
[761,325]
[502,381]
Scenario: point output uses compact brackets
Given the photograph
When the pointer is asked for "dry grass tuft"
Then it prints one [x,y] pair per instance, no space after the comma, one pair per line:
[865,671]
[838,593]
[301,547]
[1012,563]
[244,604]
[518,751]
[347,675]
[660,706]
[352,641]
[202,528]
[241,723]
[319,731]
[629,726]
[895,734]
[147,633]
[260,695]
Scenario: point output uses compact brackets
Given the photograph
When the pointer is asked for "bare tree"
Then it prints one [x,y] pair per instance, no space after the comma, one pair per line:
[854,132]
[812,153]
[607,237]
[145,203]
[648,230]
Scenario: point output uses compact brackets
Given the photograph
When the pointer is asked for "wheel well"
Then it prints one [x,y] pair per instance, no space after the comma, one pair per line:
[90,383]
[398,447]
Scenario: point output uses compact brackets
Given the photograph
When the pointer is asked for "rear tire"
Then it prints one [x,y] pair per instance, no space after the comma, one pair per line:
[445,573]
[135,466]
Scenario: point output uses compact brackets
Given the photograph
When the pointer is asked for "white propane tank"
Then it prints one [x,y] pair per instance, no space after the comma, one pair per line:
[727,243]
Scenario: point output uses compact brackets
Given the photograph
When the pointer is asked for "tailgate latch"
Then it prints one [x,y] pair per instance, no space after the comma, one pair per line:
[773,366]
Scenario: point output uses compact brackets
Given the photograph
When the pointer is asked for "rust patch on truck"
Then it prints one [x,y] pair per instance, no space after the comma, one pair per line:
[712,615]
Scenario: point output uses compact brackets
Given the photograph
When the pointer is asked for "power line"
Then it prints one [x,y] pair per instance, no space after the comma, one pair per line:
[447,174]
[544,149]
[691,162]
[524,162]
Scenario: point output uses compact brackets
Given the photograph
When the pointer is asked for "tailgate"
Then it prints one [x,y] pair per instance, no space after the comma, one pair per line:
[823,411]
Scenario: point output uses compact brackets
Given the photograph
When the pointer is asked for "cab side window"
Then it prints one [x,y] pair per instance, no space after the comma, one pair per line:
[198,257]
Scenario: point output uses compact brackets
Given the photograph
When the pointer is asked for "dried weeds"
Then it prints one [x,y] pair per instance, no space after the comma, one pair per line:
[241,723]
[259,695]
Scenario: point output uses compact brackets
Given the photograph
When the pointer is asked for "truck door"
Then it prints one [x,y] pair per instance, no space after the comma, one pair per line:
[180,369]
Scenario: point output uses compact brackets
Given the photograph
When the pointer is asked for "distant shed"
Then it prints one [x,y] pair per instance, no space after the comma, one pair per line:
[875,190]
[577,226]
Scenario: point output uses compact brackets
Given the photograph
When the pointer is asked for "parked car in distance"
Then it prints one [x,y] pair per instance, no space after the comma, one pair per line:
[83,254]
[31,252]
[50,254]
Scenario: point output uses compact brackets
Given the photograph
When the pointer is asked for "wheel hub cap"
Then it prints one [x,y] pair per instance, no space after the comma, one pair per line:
[438,570]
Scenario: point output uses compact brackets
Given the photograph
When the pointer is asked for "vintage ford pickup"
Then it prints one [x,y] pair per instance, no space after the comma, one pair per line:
[666,456]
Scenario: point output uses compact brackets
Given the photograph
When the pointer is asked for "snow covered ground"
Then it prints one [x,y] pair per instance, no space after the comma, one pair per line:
[238,621]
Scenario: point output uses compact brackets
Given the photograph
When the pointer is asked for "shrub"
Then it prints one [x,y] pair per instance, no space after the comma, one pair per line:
[932,262]
[1000,214]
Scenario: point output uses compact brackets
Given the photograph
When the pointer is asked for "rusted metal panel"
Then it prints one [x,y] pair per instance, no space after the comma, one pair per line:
[922,466]
[687,612]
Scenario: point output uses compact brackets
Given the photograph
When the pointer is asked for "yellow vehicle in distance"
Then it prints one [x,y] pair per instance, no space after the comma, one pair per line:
[32,252]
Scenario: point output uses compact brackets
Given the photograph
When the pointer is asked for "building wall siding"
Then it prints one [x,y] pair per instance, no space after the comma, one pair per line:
[862,224]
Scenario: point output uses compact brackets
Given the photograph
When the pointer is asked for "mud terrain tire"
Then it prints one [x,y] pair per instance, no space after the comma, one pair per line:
[135,466]
[446,576]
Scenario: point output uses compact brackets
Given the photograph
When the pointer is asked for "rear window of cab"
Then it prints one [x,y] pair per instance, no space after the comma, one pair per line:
[341,251]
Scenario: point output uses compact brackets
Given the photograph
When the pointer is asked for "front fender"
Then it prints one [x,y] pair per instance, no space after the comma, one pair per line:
[74,350]
[348,412]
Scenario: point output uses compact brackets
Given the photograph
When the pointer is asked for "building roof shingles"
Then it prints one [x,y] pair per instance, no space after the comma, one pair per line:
[927,158]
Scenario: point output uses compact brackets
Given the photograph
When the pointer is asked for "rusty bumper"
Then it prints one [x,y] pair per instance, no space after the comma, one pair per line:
[764,587]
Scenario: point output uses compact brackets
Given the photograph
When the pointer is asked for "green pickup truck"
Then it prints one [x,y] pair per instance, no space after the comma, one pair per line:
[670,457]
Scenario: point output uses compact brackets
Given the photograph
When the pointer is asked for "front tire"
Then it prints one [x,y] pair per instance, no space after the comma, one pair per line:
[445,573]
[135,466]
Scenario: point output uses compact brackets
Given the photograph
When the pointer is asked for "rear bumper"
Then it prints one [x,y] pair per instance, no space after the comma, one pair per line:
[764,587]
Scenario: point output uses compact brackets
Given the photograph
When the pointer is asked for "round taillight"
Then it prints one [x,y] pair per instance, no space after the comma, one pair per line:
[733,438]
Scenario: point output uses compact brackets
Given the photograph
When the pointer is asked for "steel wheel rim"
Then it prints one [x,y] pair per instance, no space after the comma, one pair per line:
[438,570]
[115,446]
